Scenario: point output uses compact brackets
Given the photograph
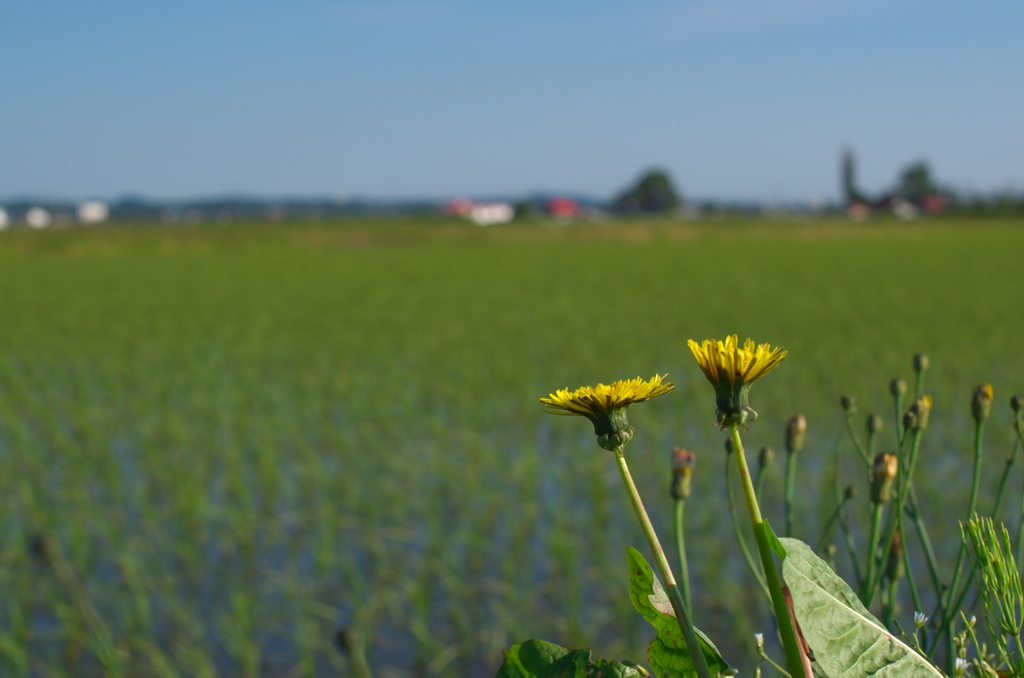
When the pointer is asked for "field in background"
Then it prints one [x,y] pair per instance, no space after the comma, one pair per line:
[244,437]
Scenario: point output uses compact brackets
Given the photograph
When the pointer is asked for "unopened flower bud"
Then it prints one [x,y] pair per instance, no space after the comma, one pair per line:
[615,439]
[921,407]
[759,642]
[1016,404]
[897,387]
[921,362]
[682,471]
[883,473]
[875,423]
[909,420]
[849,404]
[729,449]
[850,492]
[766,457]
[894,568]
[981,402]
[795,431]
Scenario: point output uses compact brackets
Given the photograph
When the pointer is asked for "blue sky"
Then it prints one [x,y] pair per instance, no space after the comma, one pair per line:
[737,99]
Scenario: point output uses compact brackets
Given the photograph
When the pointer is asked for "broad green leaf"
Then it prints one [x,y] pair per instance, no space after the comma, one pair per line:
[667,653]
[541,659]
[847,640]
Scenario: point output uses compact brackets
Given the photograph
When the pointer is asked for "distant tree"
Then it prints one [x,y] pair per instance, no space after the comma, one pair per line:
[653,192]
[916,182]
[848,173]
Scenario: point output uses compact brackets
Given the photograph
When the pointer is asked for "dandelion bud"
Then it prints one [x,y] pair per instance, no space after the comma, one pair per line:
[849,404]
[921,362]
[729,449]
[883,473]
[615,439]
[875,423]
[921,407]
[894,565]
[897,387]
[981,402]
[682,471]
[909,420]
[1016,404]
[850,492]
[795,433]
[766,457]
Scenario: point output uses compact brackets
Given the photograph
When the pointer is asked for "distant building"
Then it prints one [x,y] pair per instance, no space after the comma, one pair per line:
[37,217]
[459,207]
[489,214]
[5,220]
[93,212]
[563,208]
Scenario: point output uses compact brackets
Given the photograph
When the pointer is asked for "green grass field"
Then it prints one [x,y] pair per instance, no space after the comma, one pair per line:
[244,437]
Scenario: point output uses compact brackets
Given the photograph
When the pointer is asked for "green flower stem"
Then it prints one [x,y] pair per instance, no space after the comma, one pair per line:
[901,500]
[911,582]
[872,565]
[739,533]
[678,605]
[786,627]
[840,497]
[790,490]
[857,444]
[953,600]
[1006,476]
[684,569]
[897,402]
[827,530]
[926,542]
[762,473]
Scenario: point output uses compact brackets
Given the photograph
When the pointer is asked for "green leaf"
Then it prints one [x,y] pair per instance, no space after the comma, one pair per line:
[541,659]
[667,653]
[847,640]
[773,542]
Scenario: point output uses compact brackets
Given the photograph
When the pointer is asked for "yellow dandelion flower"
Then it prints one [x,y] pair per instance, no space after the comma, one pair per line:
[605,405]
[731,369]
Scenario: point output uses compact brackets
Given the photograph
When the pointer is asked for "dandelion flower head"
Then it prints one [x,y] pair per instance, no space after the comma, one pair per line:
[731,369]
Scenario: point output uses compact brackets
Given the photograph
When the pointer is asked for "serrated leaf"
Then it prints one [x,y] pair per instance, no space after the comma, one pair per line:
[847,640]
[667,654]
[541,659]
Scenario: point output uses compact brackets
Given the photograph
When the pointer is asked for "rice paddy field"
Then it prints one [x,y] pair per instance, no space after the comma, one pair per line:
[221,444]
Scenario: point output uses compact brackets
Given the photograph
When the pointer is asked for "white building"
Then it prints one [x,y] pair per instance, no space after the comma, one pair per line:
[37,217]
[491,213]
[93,212]
[5,220]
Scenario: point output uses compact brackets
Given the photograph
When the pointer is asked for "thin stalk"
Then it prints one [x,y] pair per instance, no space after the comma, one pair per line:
[762,473]
[1002,481]
[790,490]
[786,627]
[825,531]
[851,549]
[684,570]
[911,582]
[857,444]
[876,526]
[897,403]
[739,533]
[901,499]
[678,605]
[926,542]
[949,616]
